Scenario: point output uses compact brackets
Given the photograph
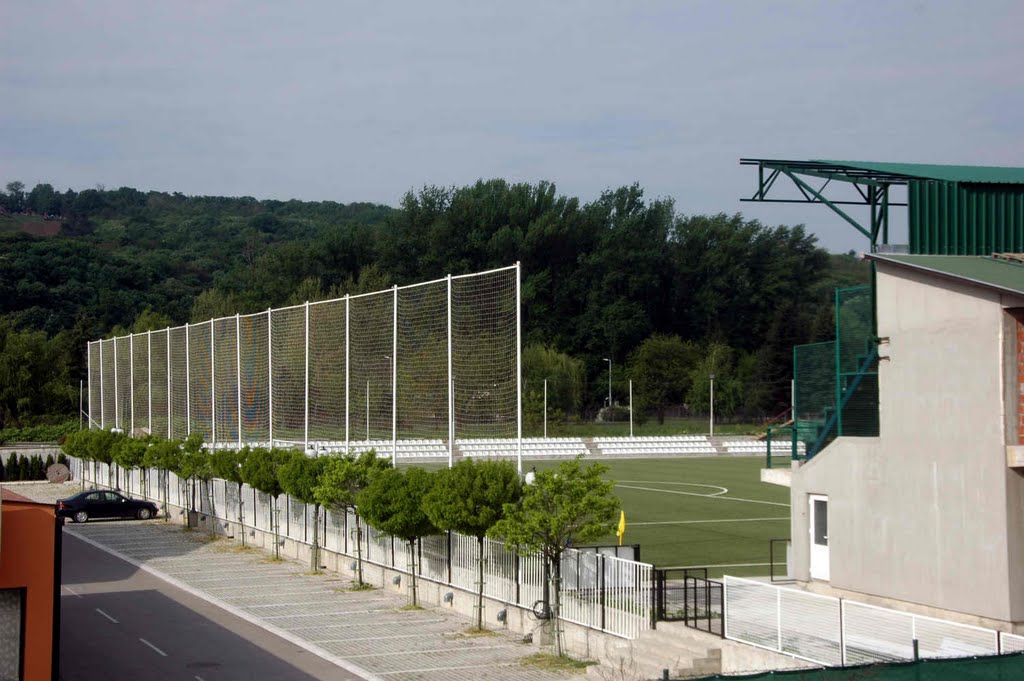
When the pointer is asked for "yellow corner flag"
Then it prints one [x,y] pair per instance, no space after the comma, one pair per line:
[622,526]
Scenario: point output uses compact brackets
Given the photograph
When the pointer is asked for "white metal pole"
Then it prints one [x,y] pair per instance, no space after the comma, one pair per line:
[117,401]
[631,407]
[103,414]
[131,384]
[169,432]
[519,371]
[305,447]
[545,407]
[213,389]
[451,383]
[238,376]
[81,410]
[270,375]
[88,372]
[394,377]
[367,411]
[149,380]
[188,385]
[711,424]
[348,399]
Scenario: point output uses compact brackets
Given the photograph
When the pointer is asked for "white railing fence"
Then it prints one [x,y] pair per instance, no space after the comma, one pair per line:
[837,631]
[599,591]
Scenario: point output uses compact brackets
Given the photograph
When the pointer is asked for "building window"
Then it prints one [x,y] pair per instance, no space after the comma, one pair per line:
[12,641]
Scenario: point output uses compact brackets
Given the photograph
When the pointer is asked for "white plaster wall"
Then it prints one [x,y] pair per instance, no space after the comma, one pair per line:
[926,513]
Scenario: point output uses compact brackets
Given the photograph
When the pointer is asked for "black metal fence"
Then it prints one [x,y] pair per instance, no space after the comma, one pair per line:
[687,595]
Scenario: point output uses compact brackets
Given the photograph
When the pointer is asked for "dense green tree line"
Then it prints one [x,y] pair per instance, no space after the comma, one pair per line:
[600,279]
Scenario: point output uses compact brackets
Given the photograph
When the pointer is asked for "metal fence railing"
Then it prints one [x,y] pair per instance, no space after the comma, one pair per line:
[687,595]
[438,360]
[596,590]
[840,632]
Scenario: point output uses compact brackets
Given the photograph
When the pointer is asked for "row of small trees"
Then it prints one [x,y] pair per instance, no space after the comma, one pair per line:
[560,507]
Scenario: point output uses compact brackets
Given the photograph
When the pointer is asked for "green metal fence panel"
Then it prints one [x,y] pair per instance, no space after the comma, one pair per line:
[951,218]
[995,668]
[814,389]
[856,371]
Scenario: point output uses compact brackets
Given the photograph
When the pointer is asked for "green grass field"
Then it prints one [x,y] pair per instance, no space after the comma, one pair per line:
[700,512]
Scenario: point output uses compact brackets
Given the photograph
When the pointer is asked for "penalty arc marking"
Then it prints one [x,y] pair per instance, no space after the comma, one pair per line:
[721,490]
[705,496]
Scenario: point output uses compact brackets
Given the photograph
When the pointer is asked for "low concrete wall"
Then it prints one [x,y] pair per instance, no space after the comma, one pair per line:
[29,450]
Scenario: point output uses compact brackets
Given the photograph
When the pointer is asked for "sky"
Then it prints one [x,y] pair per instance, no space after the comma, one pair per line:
[364,101]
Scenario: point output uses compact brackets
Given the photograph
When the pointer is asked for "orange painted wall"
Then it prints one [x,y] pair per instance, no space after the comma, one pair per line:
[27,546]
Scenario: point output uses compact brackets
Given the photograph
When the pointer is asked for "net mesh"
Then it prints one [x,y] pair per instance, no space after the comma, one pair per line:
[107,388]
[484,342]
[158,381]
[178,384]
[423,361]
[94,384]
[205,378]
[855,339]
[814,389]
[123,408]
[200,384]
[288,337]
[327,371]
[253,347]
[225,364]
[370,349]
[139,344]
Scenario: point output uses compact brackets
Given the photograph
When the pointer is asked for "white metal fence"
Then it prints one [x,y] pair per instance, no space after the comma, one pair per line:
[834,631]
[437,360]
[597,591]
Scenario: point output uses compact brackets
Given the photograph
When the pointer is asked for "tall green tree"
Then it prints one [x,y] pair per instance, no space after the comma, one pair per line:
[569,505]
[660,369]
[393,504]
[128,455]
[195,466]
[164,456]
[260,471]
[470,498]
[344,477]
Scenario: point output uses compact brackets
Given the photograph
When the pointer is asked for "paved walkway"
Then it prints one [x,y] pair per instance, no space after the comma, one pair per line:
[368,630]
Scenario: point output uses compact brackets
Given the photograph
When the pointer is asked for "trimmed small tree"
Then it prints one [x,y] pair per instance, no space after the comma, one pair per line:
[260,471]
[299,475]
[100,446]
[129,454]
[569,505]
[341,481]
[195,464]
[393,504]
[227,465]
[470,498]
[164,456]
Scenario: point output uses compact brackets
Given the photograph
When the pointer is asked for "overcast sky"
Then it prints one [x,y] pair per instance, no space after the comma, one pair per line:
[362,101]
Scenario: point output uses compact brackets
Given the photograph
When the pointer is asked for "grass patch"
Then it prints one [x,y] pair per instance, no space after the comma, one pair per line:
[236,548]
[409,607]
[207,538]
[473,632]
[701,511]
[549,662]
[365,586]
[311,573]
[272,559]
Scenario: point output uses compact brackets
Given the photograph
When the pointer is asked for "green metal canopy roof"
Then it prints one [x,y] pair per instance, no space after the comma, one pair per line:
[943,173]
[991,272]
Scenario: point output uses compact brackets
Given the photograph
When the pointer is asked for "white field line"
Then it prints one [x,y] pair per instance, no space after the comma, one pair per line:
[704,496]
[721,490]
[718,565]
[698,522]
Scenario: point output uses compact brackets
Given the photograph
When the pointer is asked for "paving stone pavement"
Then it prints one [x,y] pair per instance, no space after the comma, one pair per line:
[368,628]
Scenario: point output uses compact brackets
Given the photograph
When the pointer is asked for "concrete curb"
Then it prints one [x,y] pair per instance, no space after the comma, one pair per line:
[234,610]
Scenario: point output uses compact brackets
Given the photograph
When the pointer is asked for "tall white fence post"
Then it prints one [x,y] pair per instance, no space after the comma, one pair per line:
[149,380]
[306,383]
[238,376]
[131,383]
[519,370]
[213,388]
[117,401]
[348,373]
[188,385]
[169,411]
[103,414]
[394,378]
[88,372]
[270,374]
[451,383]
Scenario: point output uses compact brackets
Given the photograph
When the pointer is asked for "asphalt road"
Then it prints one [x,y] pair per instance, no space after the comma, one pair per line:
[119,623]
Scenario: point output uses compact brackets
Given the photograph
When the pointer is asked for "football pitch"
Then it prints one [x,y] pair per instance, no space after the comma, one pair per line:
[706,512]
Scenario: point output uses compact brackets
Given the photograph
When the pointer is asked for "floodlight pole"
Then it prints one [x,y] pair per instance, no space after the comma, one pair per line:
[711,423]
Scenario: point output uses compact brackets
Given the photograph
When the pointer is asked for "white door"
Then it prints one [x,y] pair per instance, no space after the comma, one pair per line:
[819,536]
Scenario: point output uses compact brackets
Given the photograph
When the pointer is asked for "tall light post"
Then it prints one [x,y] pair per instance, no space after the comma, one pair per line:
[711,427]
[609,382]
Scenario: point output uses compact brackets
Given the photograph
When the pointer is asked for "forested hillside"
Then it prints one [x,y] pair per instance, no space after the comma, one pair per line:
[668,297]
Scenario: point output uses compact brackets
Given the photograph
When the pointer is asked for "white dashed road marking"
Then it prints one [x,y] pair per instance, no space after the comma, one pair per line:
[153,647]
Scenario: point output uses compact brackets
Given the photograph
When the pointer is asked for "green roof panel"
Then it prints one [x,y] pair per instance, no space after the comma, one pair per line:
[975,174]
[987,271]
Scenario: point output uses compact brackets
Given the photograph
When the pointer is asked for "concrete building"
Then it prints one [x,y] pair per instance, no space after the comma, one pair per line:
[929,515]
[30,566]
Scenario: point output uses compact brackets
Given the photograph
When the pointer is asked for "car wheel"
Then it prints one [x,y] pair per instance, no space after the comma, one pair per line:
[80,516]
[144,514]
